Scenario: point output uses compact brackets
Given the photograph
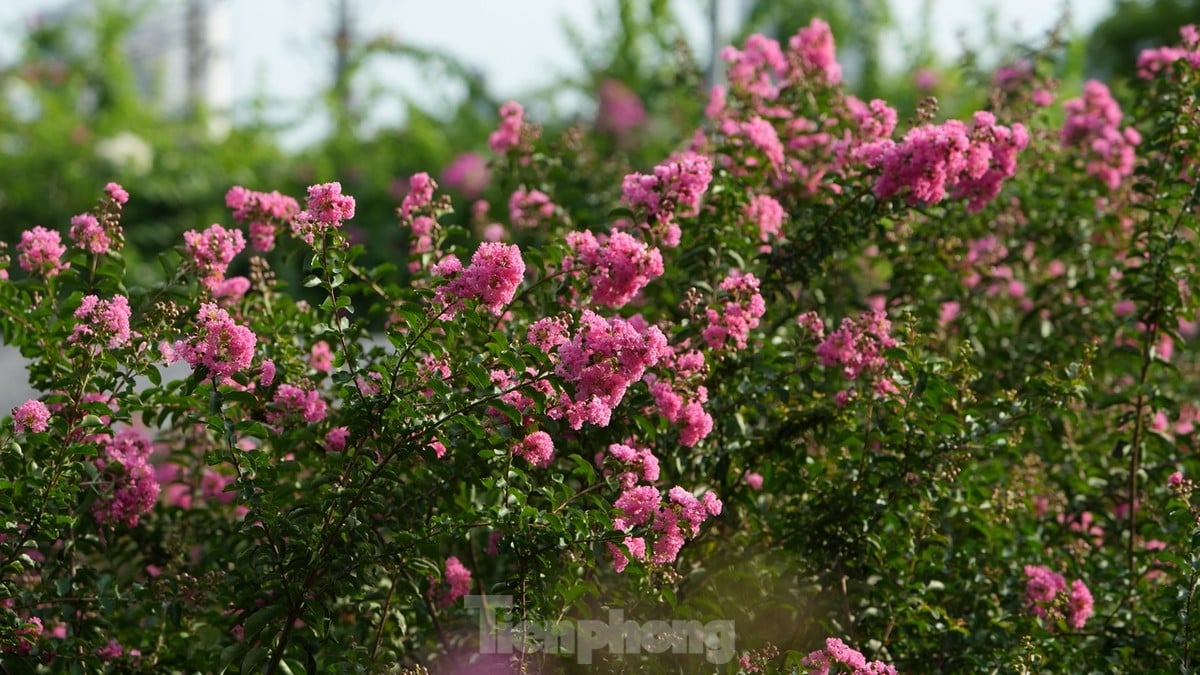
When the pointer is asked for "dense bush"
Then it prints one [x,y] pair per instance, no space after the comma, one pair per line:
[832,387]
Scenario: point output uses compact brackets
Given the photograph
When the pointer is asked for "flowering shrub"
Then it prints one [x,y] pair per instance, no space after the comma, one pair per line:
[837,381]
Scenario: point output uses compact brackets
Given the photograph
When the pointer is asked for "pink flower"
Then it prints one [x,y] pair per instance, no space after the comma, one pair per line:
[618,266]
[262,212]
[537,448]
[116,193]
[675,188]
[212,250]
[753,480]
[105,321]
[335,440]
[636,547]
[320,358]
[743,308]
[467,173]
[812,49]
[32,416]
[291,401]
[325,209]
[530,208]
[1093,126]
[132,483]
[495,273]
[1080,605]
[220,345]
[508,135]
[89,235]
[767,214]
[1175,479]
[420,194]
[620,109]
[458,580]
[41,252]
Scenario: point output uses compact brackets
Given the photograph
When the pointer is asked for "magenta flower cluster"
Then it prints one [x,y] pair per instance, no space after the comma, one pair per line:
[102,322]
[1093,124]
[601,361]
[212,250]
[508,135]
[617,266]
[294,403]
[325,209]
[1154,61]
[670,523]
[936,160]
[1046,596]
[537,448]
[631,463]
[530,208]
[838,653]
[31,416]
[458,582]
[673,189]
[495,273]
[41,251]
[220,344]
[131,488]
[744,307]
[263,213]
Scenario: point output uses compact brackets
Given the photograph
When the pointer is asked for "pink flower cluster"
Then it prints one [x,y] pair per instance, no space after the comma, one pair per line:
[326,208]
[537,448]
[292,402]
[467,173]
[420,194]
[530,208]
[743,308]
[767,214]
[1093,125]
[835,653]
[132,487]
[935,160]
[618,266]
[88,234]
[601,361]
[674,188]
[458,582]
[671,522]
[495,273]
[220,345]
[508,135]
[1157,60]
[757,68]
[681,398]
[264,213]
[116,193]
[858,344]
[1046,596]
[41,252]
[212,250]
[620,109]
[31,416]
[105,321]
[813,53]
[632,463]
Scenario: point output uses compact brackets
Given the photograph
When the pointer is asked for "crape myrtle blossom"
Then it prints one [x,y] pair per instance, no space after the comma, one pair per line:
[212,250]
[617,266]
[457,581]
[669,523]
[740,314]
[31,416]
[292,403]
[102,322]
[537,448]
[131,487]
[530,208]
[88,234]
[673,189]
[495,273]
[1093,124]
[1047,597]
[263,213]
[600,362]
[508,135]
[838,653]
[326,208]
[934,161]
[219,344]
[41,251]
[634,464]
[1154,61]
